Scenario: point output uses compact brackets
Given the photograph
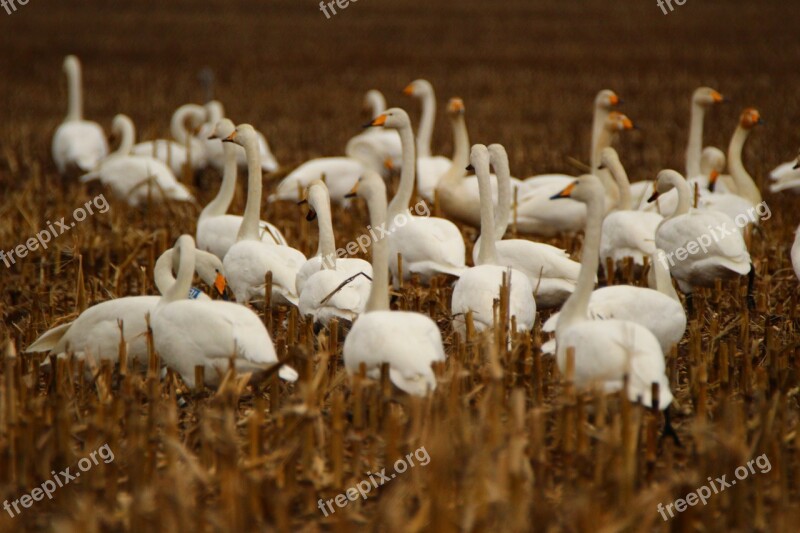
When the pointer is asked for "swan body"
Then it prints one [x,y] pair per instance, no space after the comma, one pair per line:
[724,254]
[323,274]
[249,259]
[77,143]
[428,245]
[174,153]
[606,351]
[786,177]
[796,253]
[216,230]
[408,342]
[339,174]
[136,178]
[213,148]
[478,287]
[188,334]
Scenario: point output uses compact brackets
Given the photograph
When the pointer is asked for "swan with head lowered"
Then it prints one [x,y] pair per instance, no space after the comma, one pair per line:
[551,272]
[700,245]
[409,342]
[372,143]
[429,168]
[213,149]
[96,332]
[786,177]
[428,245]
[136,179]
[187,334]
[77,143]
[217,230]
[185,147]
[249,259]
[537,215]
[478,287]
[330,287]
[605,350]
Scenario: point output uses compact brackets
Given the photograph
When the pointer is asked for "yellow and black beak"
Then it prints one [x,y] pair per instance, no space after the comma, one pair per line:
[653,197]
[230,138]
[796,165]
[354,191]
[470,168]
[380,120]
[409,90]
[614,100]
[566,193]
[717,97]
[220,283]
[712,180]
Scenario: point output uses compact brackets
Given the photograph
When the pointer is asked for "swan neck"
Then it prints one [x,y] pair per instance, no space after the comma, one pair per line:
[127,136]
[327,243]
[377,103]
[379,292]
[222,201]
[575,308]
[623,184]
[663,281]
[178,125]
[252,210]
[457,169]
[600,118]
[695,147]
[684,196]
[487,253]
[162,272]
[74,88]
[180,289]
[503,212]
[426,124]
[402,198]
[744,182]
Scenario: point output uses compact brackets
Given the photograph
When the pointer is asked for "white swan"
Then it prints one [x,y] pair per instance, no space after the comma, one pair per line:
[657,308]
[330,287]
[214,152]
[458,194]
[786,177]
[77,142]
[606,350]
[375,143]
[537,215]
[428,245]
[187,334]
[136,178]
[699,245]
[96,331]
[626,232]
[249,259]
[429,168]
[551,272]
[702,100]
[408,342]
[478,287]
[185,146]
[216,230]
[796,253]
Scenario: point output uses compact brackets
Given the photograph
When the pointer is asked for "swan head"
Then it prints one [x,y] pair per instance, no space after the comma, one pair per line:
[750,118]
[370,186]
[479,158]
[455,107]
[122,126]
[241,135]
[374,101]
[499,159]
[418,88]
[394,118]
[207,265]
[586,188]
[666,180]
[609,157]
[706,97]
[71,64]
[316,196]
[224,128]
[607,100]
[618,122]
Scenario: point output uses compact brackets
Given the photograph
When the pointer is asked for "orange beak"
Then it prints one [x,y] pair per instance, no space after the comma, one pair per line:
[566,193]
[230,138]
[387,163]
[409,90]
[220,283]
[614,100]
[456,105]
[380,120]
[627,123]
[717,97]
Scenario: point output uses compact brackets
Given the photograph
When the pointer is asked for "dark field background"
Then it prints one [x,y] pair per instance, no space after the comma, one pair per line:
[511,454]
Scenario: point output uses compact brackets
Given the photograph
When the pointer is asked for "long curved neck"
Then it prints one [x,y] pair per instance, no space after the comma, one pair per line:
[575,308]
[600,117]
[487,254]
[252,209]
[222,201]
[623,184]
[327,242]
[746,187]
[661,280]
[458,167]
[604,140]
[426,124]
[162,272]
[377,103]
[127,136]
[684,196]
[74,87]
[695,148]
[503,211]
[180,289]
[178,123]
[407,175]
[379,293]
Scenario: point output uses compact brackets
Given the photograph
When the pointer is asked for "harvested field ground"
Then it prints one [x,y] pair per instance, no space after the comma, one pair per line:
[512,445]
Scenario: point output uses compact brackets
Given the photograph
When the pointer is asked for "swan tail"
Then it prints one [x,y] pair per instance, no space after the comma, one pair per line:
[48,340]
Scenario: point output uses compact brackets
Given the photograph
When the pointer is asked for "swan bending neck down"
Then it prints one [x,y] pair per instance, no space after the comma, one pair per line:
[745,186]
[249,259]
[702,100]
[606,351]
[188,334]
[408,342]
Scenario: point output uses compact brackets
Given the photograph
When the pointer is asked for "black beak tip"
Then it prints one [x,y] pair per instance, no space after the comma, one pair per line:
[470,168]
[796,165]
[311,215]
[367,125]
[350,195]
